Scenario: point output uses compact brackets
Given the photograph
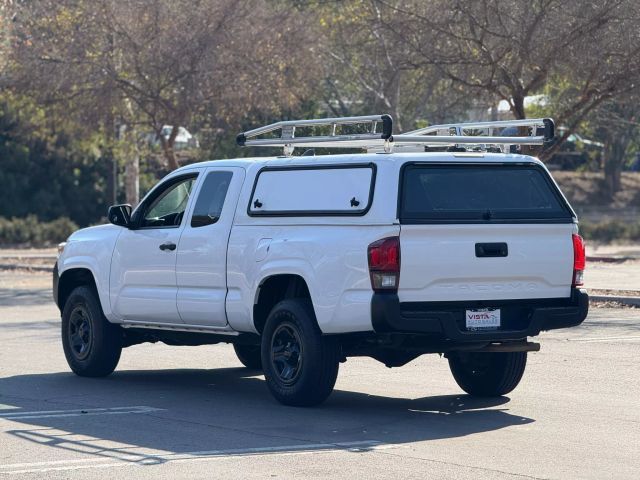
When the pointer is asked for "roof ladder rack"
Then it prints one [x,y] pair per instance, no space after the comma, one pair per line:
[478,135]
[289,141]
[535,131]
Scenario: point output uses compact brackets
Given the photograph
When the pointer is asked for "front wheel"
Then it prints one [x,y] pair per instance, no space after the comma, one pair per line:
[92,345]
[300,364]
[487,374]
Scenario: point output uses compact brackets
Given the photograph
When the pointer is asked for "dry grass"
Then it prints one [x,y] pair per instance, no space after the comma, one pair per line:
[609,304]
[604,219]
[587,189]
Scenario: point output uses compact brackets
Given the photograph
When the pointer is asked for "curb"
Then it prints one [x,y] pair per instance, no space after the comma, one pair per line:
[18,266]
[633,301]
[598,258]
[12,256]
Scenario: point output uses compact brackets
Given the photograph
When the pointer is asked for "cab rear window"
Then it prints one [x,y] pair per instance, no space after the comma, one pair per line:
[479,193]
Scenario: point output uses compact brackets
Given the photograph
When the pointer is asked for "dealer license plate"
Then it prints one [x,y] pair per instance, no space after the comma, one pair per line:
[483,319]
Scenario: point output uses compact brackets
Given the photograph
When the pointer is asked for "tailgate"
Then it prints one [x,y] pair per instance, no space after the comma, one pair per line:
[494,231]
[440,262]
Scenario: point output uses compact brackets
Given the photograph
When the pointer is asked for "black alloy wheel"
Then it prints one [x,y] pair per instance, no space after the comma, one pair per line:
[80,332]
[286,353]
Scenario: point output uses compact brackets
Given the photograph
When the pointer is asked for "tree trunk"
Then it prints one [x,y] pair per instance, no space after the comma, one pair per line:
[394,102]
[131,179]
[613,163]
[110,158]
[132,168]
[112,176]
[612,177]
[167,147]
[517,107]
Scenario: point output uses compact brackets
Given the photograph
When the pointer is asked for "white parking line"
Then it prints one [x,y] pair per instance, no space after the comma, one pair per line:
[158,459]
[625,338]
[77,412]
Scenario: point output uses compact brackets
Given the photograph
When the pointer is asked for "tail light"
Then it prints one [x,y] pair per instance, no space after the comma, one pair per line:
[384,264]
[579,260]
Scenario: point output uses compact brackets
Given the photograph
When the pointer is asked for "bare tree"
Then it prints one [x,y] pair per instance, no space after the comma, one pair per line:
[617,123]
[151,63]
[368,70]
[160,58]
[5,32]
[510,49]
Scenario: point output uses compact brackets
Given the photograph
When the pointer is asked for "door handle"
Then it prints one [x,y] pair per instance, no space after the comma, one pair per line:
[168,246]
[492,249]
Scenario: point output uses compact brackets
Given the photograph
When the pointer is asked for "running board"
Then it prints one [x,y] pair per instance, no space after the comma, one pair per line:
[180,327]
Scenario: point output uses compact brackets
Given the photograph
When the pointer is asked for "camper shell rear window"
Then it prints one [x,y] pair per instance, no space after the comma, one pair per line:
[318,190]
[479,193]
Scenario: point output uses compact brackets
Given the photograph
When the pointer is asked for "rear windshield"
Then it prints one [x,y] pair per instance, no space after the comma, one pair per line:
[479,193]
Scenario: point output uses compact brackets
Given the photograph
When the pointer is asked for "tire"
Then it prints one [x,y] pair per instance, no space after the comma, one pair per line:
[487,374]
[300,364]
[249,355]
[91,344]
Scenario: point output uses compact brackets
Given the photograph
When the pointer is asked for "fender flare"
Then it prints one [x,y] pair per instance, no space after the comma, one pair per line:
[84,263]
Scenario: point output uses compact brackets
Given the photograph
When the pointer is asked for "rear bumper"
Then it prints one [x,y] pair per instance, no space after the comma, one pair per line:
[445,321]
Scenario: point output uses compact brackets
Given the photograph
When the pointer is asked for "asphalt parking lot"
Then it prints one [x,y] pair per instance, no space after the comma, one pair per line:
[194,412]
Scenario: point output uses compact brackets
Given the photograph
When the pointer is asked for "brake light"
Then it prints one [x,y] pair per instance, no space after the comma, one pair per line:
[384,264]
[579,260]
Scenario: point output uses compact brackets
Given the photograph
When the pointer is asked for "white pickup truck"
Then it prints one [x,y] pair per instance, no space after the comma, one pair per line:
[303,261]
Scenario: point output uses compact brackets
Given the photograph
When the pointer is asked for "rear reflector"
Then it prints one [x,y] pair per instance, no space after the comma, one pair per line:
[384,264]
[579,260]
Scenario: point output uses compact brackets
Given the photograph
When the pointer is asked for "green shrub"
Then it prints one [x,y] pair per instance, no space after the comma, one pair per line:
[29,231]
[610,231]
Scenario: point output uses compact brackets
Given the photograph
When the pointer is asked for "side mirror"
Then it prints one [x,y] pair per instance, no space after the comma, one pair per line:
[120,215]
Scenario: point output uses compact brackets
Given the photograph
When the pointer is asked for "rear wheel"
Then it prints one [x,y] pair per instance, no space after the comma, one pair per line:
[487,374]
[92,345]
[249,355]
[300,364]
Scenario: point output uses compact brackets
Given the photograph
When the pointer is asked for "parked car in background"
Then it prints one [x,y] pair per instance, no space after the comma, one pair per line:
[184,139]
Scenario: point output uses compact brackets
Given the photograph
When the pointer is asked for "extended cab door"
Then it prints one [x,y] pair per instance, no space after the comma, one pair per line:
[143,268]
[201,268]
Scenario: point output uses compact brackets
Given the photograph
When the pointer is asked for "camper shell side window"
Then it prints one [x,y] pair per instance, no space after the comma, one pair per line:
[315,190]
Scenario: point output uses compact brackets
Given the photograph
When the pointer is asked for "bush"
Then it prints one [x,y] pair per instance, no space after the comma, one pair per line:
[47,170]
[610,231]
[29,231]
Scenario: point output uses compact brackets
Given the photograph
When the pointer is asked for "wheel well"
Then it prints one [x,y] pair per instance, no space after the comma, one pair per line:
[275,289]
[71,279]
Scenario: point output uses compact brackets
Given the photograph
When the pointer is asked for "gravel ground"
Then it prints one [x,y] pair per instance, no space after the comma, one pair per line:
[24,279]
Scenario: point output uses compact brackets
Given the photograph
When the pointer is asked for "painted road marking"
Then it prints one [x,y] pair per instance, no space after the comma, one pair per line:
[77,412]
[626,338]
[159,459]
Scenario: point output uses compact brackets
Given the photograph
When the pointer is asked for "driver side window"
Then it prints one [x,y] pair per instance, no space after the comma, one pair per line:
[167,208]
